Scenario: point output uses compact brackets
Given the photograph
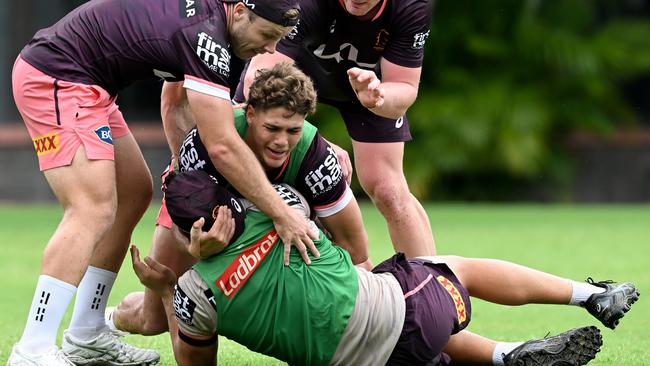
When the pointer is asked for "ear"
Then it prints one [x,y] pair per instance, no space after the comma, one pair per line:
[239,11]
[250,114]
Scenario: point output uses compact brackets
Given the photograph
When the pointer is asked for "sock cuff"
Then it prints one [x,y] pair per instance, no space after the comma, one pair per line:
[58,283]
[101,272]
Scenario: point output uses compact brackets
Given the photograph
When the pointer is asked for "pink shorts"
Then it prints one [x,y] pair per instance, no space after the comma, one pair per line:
[163,218]
[61,115]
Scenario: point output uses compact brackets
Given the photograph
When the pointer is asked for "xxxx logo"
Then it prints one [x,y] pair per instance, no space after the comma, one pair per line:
[455,296]
[46,144]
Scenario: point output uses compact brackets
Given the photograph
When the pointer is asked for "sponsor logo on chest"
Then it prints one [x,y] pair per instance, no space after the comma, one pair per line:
[213,54]
[46,144]
[245,264]
[323,178]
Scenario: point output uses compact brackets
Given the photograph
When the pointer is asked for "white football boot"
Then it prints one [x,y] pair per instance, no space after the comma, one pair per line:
[106,349]
[53,357]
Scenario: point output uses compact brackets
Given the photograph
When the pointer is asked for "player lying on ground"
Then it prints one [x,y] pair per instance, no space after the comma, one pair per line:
[290,150]
[332,312]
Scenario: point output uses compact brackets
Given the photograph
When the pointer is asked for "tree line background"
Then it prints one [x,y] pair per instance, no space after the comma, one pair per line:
[505,86]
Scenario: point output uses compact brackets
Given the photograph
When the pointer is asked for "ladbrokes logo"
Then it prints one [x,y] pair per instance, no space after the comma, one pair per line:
[323,178]
[242,268]
[46,144]
[455,296]
[214,55]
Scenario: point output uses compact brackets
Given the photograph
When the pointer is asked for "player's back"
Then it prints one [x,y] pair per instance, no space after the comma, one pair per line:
[296,313]
[112,43]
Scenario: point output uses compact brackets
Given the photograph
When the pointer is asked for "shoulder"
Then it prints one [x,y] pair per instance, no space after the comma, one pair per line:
[403,10]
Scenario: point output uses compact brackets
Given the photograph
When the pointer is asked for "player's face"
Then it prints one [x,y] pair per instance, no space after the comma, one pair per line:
[272,134]
[251,37]
[359,7]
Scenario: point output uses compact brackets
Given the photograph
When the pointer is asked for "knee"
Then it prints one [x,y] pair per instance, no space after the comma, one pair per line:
[389,195]
[138,194]
[98,215]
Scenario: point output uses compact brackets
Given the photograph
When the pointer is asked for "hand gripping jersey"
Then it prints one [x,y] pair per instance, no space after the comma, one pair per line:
[327,41]
[312,167]
[253,290]
[112,43]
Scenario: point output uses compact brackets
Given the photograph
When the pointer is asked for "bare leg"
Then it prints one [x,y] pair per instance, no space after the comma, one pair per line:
[86,189]
[507,283]
[469,348]
[143,312]
[134,191]
[379,168]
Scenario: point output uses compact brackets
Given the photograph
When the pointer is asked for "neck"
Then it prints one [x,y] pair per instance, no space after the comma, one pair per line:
[230,16]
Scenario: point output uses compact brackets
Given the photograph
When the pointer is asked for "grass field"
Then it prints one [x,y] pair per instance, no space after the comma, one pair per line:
[604,242]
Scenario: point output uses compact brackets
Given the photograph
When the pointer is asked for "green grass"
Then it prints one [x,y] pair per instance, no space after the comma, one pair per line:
[605,242]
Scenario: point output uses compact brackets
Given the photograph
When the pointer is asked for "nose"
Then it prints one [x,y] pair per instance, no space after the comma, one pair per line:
[281,140]
[270,47]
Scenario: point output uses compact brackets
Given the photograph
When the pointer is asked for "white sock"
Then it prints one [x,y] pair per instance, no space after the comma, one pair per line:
[51,299]
[582,291]
[92,296]
[502,349]
[109,320]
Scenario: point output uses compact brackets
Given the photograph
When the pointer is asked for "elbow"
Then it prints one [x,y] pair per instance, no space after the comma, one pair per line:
[359,258]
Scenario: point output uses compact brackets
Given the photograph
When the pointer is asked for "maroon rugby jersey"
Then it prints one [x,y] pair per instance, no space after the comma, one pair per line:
[327,41]
[112,43]
[319,178]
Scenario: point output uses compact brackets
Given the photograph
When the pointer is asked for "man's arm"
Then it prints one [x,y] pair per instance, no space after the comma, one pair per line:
[262,61]
[391,96]
[176,115]
[348,232]
[232,158]
[160,279]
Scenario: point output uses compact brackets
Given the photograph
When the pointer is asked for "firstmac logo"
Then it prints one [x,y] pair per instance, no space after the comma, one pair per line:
[327,175]
[214,55]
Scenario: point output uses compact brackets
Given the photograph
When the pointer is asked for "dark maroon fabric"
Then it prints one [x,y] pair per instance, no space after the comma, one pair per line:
[365,126]
[431,316]
[319,189]
[112,43]
[195,194]
[328,41]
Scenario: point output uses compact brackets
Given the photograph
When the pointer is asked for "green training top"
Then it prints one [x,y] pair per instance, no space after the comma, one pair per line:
[296,313]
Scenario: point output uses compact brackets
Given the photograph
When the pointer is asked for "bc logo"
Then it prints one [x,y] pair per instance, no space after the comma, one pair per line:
[104,134]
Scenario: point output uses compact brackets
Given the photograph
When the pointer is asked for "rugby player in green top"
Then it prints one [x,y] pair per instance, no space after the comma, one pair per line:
[332,312]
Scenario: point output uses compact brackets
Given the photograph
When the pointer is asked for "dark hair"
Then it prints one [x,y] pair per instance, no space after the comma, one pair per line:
[283,85]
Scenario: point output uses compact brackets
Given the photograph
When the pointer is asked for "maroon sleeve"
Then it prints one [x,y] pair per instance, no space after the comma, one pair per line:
[206,54]
[320,177]
[309,20]
[411,24]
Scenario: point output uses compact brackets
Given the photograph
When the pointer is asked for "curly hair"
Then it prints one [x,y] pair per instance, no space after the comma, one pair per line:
[283,85]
